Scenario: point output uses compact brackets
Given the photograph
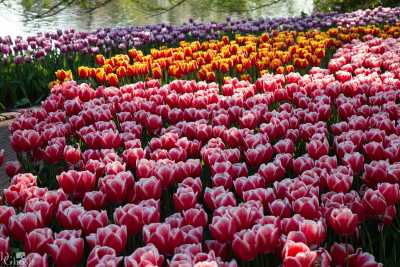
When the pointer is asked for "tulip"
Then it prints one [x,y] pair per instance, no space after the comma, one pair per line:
[144,256]
[195,217]
[72,155]
[185,198]
[298,254]
[244,245]
[374,202]
[5,213]
[220,249]
[78,182]
[42,207]
[223,228]
[280,208]
[103,255]
[390,192]
[308,207]
[163,236]
[267,237]
[315,232]
[4,248]
[23,223]
[343,221]
[148,188]
[94,200]
[91,220]
[35,260]
[362,259]
[116,188]
[12,168]
[131,216]
[339,181]
[66,252]
[68,214]
[38,240]
[340,252]
[113,236]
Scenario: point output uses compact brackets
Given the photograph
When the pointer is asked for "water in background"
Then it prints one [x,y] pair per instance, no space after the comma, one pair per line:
[16,15]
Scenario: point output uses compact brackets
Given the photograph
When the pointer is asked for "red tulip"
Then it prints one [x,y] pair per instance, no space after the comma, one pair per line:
[91,220]
[38,240]
[355,161]
[4,248]
[144,256]
[339,182]
[222,228]
[35,260]
[195,217]
[68,214]
[72,155]
[280,208]
[131,216]
[340,252]
[66,252]
[315,232]
[23,223]
[390,192]
[77,182]
[308,207]
[103,256]
[374,202]
[148,188]
[220,249]
[244,245]
[343,221]
[94,200]
[166,175]
[267,237]
[113,236]
[318,148]
[53,153]
[42,207]
[5,213]
[185,198]
[298,254]
[116,188]
[163,236]
[362,259]
[12,168]
[264,196]
[132,155]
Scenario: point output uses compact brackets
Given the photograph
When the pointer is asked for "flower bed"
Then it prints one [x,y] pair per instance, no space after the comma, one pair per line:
[37,57]
[293,169]
[246,57]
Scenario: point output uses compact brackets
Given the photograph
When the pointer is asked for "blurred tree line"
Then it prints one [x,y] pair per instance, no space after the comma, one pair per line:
[350,5]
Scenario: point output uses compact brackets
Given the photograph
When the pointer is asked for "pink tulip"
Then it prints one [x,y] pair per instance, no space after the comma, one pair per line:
[5,213]
[38,240]
[116,188]
[68,214]
[72,155]
[103,256]
[94,200]
[113,236]
[12,168]
[195,217]
[298,254]
[223,228]
[35,260]
[91,220]
[1,156]
[266,237]
[244,245]
[185,198]
[23,223]
[163,236]
[148,188]
[67,252]
[144,256]
[340,252]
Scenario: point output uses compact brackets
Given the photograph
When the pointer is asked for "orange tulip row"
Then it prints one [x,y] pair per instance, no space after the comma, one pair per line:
[244,56]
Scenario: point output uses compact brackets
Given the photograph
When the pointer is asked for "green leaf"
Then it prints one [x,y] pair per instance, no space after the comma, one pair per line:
[22,102]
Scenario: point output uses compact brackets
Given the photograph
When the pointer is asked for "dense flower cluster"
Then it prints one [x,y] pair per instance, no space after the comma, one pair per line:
[37,57]
[293,169]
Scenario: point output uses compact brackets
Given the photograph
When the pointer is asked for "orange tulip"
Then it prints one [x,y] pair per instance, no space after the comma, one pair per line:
[289,68]
[211,76]
[112,79]
[157,72]
[83,72]
[61,75]
[280,70]
[275,63]
[121,72]
[100,59]
[100,75]
[108,68]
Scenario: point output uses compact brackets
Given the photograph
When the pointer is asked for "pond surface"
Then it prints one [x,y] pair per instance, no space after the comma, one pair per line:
[16,16]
